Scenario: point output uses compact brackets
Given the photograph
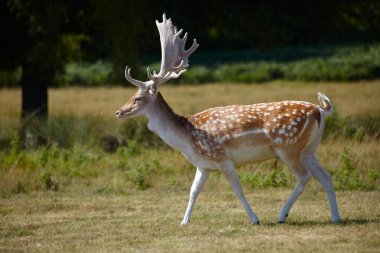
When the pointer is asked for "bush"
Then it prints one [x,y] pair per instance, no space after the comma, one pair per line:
[98,73]
[139,176]
[346,177]
[279,177]
[328,63]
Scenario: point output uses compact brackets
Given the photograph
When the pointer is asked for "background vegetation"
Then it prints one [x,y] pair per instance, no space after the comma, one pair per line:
[84,143]
[323,63]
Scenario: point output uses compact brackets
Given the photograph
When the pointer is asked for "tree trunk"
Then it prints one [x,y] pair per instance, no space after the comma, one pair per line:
[34,106]
[34,94]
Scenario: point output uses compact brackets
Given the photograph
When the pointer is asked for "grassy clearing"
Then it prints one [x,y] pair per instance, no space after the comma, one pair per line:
[148,221]
[79,193]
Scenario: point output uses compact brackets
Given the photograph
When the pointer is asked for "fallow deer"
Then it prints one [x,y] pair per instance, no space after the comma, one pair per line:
[223,137]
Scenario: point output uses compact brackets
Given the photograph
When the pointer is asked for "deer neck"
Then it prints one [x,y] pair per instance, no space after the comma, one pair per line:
[171,127]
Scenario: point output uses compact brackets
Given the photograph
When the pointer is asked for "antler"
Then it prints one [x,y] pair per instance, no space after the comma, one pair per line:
[174,57]
[140,84]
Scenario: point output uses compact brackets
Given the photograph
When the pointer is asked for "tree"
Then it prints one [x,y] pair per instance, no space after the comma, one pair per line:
[40,37]
[44,22]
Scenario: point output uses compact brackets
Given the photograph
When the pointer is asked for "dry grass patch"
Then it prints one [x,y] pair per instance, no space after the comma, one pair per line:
[148,221]
[349,98]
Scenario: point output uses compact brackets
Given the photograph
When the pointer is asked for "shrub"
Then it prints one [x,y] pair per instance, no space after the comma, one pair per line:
[327,63]
[197,74]
[139,176]
[278,177]
[97,73]
[346,177]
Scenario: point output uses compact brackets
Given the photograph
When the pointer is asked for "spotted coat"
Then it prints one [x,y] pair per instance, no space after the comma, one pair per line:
[283,123]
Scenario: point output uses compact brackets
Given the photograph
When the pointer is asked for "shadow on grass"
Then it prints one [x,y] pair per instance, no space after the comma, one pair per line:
[343,222]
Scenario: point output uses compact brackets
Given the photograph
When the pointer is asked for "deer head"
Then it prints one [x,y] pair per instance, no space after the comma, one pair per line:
[174,61]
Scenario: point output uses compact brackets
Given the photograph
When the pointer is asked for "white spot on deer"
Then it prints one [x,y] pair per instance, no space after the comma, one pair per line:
[282,131]
[278,140]
[298,119]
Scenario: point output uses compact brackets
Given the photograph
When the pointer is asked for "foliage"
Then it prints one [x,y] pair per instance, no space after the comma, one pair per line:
[274,178]
[139,176]
[329,63]
[46,35]
[323,63]
[346,177]
[10,78]
[98,73]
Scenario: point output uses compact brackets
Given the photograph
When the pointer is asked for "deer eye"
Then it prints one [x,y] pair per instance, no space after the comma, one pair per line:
[138,99]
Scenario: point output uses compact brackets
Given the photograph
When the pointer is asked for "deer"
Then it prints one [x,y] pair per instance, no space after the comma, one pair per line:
[223,138]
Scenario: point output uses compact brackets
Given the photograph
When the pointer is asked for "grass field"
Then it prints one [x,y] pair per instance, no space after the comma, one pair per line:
[80,198]
[148,221]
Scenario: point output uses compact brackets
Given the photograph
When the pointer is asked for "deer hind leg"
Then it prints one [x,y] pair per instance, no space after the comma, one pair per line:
[199,180]
[303,176]
[325,180]
[230,173]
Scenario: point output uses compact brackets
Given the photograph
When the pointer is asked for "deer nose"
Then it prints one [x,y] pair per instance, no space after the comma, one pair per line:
[118,113]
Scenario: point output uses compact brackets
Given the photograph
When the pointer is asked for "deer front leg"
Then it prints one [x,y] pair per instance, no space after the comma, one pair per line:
[233,178]
[199,180]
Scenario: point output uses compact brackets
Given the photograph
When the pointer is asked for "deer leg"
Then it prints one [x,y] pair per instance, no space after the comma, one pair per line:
[233,178]
[200,179]
[302,177]
[298,189]
[325,180]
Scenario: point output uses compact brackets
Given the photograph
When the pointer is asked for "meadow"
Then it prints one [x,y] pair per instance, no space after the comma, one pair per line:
[92,183]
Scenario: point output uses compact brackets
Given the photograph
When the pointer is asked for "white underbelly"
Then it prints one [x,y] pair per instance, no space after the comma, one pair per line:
[251,154]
